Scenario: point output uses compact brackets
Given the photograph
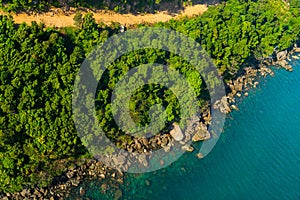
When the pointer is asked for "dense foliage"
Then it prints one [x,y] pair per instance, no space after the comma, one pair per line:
[37,71]
[38,66]
[237,32]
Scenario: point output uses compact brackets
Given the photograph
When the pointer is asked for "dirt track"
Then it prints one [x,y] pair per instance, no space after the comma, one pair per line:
[55,17]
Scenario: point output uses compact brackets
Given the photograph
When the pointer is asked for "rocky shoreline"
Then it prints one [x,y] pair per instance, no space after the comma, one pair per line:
[111,179]
[61,186]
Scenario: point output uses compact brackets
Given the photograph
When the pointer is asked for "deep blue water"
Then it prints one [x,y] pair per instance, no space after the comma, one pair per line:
[257,156]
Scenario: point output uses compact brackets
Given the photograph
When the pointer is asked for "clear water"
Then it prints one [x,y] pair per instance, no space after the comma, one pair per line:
[257,156]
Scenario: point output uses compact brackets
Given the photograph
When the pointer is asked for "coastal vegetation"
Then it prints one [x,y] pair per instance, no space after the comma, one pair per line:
[38,66]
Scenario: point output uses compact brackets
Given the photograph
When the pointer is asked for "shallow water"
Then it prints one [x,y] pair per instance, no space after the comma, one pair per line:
[257,156]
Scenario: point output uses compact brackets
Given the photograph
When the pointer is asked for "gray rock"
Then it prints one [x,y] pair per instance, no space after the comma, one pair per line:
[176,133]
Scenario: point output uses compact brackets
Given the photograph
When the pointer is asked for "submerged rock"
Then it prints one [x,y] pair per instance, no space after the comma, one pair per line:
[119,160]
[81,191]
[118,195]
[143,160]
[161,162]
[199,155]
[167,148]
[104,187]
[147,182]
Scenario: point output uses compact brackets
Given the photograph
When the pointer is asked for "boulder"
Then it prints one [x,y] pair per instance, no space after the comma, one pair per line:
[70,174]
[157,141]
[81,191]
[222,105]
[37,193]
[188,148]
[164,141]
[145,141]
[138,145]
[233,91]
[238,86]
[176,133]
[199,155]
[234,107]
[102,176]
[167,148]
[24,193]
[281,55]
[201,134]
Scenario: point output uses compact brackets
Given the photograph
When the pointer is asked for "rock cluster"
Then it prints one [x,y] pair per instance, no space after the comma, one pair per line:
[176,133]
[61,187]
[246,79]
[201,133]
[238,87]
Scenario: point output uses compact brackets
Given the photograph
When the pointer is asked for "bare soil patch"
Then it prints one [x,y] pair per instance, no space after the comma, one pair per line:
[57,18]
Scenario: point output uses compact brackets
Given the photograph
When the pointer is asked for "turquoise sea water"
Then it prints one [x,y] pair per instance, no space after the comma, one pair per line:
[257,156]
